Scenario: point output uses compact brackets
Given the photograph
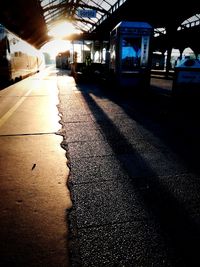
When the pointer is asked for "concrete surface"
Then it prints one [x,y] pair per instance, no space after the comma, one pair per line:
[33,174]
[134,176]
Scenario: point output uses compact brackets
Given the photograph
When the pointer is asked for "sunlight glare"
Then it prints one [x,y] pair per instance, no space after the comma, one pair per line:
[56,46]
[63,29]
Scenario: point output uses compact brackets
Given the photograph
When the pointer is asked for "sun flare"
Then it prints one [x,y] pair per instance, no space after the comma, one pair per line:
[63,29]
[56,46]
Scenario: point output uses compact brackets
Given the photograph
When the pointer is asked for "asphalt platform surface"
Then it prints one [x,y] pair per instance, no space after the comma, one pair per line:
[134,175]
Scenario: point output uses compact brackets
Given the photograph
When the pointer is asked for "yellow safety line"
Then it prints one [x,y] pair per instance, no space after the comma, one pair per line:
[9,113]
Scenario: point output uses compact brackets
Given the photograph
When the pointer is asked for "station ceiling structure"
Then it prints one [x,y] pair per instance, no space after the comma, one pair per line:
[32,19]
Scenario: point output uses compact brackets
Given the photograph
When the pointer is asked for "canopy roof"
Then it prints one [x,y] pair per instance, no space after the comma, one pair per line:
[85,15]
[32,19]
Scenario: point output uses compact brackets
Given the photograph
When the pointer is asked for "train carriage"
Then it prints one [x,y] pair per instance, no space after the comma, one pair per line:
[18,59]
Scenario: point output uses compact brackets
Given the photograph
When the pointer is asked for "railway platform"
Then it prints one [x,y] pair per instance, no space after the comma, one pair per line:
[133,177]
[33,172]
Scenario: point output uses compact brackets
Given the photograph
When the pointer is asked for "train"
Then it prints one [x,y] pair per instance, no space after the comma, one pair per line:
[63,60]
[18,59]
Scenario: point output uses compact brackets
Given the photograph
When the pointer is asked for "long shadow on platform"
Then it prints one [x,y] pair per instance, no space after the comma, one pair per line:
[165,119]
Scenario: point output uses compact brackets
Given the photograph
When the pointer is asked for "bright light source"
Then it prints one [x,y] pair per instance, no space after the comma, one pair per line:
[63,29]
[56,46]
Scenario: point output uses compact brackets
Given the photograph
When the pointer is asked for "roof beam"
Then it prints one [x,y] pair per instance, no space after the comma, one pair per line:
[75,5]
[85,21]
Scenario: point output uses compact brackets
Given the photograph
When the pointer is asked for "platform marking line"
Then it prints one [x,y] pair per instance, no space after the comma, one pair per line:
[9,113]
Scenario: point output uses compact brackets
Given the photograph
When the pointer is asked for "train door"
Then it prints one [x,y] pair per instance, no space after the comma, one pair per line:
[5,66]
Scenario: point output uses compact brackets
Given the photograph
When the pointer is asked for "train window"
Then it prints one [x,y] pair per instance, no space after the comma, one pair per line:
[8,45]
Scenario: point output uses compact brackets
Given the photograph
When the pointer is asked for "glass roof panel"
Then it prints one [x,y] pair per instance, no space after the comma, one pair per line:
[190,22]
[77,11]
[191,19]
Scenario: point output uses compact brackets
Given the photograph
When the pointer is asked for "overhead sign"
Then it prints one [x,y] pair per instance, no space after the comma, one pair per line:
[87,13]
